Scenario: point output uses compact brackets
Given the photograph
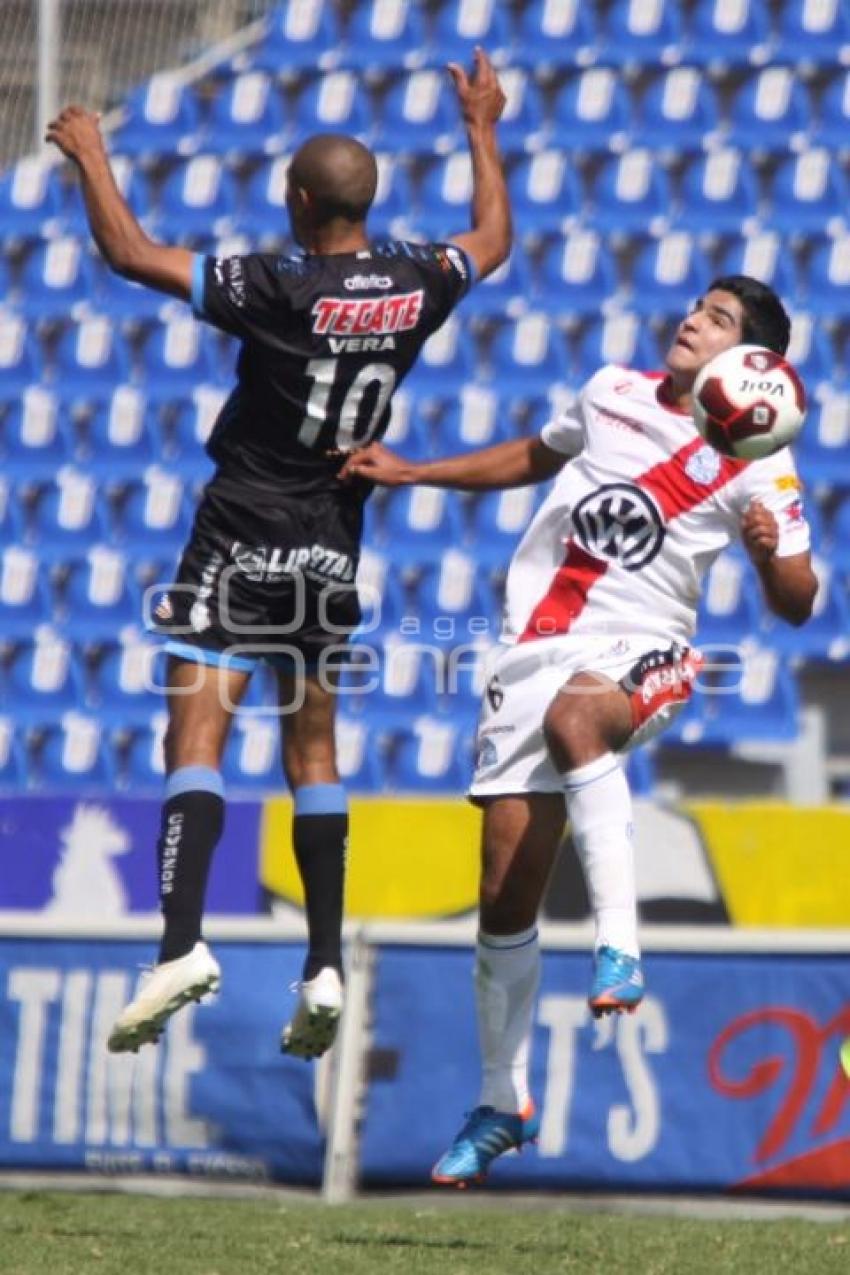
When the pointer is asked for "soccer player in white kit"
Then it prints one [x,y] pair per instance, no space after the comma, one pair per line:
[594,657]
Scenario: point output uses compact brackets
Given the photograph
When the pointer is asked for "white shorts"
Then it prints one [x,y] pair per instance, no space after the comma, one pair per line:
[521,682]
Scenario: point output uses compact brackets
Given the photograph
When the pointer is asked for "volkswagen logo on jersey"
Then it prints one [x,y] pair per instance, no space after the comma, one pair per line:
[620,522]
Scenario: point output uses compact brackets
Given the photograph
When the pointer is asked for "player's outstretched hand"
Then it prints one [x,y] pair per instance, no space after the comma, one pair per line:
[75,131]
[759,532]
[377,464]
[480,95]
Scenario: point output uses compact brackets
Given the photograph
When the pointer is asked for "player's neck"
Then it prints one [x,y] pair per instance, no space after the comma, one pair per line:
[674,393]
[337,238]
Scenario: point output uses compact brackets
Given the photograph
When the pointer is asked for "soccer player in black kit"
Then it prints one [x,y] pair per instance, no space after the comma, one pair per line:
[326,336]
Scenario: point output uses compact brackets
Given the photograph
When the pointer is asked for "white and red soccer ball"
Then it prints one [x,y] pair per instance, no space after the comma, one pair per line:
[748,402]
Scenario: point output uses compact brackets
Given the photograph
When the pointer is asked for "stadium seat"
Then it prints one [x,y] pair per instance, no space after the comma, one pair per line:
[133,181]
[21,358]
[668,275]
[728,33]
[261,212]
[36,437]
[121,436]
[176,357]
[419,114]
[25,599]
[522,125]
[452,604]
[622,339]
[67,517]
[43,679]
[248,118]
[808,195]
[811,352]
[592,111]
[505,291]
[822,451]
[392,209]
[643,32]
[132,304]
[75,756]
[162,117]
[729,609]
[359,750]
[190,429]
[251,758]
[555,33]
[499,520]
[771,111]
[420,524]
[144,766]
[442,203]
[409,431]
[678,111]
[838,538]
[812,32]
[446,363]
[528,356]
[13,520]
[476,418]
[833,114]
[631,194]
[98,598]
[384,611]
[155,517]
[828,276]
[57,281]
[91,358]
[577,275]
[765,256]
[127,681]
[299,35]
[431,755]
[198,198]
[384,35]
[13,757]
[464,676]
[755,699]
[460,25]
[31,201]
[546,193]
[334,103]
[641,772]
[826,635]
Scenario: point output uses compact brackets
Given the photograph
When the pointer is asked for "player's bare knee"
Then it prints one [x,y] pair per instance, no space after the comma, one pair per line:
[570,734]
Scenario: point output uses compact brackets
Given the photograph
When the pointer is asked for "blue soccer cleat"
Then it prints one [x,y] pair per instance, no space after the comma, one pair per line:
[617,982]
[486,1134]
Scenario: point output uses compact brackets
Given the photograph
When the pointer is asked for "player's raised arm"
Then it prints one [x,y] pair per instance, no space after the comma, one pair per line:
[482,102]
[515,464]
[124,245]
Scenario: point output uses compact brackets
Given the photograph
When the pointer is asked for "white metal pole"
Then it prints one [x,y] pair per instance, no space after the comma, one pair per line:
[339,1180]
[48,68]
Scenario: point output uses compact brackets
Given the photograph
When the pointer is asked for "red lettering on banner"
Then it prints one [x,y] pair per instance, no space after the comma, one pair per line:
[333,316]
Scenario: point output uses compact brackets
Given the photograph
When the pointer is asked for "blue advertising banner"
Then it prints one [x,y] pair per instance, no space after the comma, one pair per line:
[727,1077]
[214,1097]
[97,859]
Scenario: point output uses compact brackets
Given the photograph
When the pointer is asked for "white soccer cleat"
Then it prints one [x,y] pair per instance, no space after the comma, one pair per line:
[312,1030]
[167,988]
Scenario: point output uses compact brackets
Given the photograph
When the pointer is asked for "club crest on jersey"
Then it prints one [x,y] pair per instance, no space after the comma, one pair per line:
[620,522]
[704,466]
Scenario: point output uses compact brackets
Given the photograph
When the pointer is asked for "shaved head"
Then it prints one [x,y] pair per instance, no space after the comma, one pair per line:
[338,174]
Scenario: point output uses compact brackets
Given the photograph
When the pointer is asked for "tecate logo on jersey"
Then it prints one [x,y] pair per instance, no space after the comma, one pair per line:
[363,282]
[371,315]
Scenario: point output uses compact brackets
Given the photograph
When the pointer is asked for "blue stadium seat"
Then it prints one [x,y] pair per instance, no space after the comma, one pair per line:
[155,516]
[251,758]
[333,103]
[505,291]
[396,682]
[771,111]
[121,436]
[765,256]
[592,111]
[57,281]
[833,114]
[135,184]
[678,111]
[144,766]
[758,703]
[161,117]
[385,611]
[391,213]
[828,277]
[68,517]
[43,679]
[25,600]
[91,358]
[447,362]
[190,430]
[812,32]
[577,275]
[248,118]
[132,304]
[452,603]
[464,677]
[127,681]
[198,198]
[641,772]
[261,213]
[826,635]
[460,25]
[838,539]
[499,520]
[728,33]
[36,437]
[13,520]
[409,430]
[178,356]
[529,356]
[76,756]
[668,275]
[729,610]
[31,201]
[432,755]
[419,114]
[631,194]
[551,34]
[442,204]
[808,194]
[13,757]
[384,35]
[637,31]
[522,126]
[622,338]
[546,193]
[21,357]
[299,36]
[476,418]
[822,450]
[359,754]
[98,598]
[812,353]
[420,524]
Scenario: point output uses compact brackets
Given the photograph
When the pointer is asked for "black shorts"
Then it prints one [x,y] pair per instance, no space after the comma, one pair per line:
[264,577]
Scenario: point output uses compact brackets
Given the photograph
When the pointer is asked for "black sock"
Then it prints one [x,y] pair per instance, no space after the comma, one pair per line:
[192,823]
[320,838]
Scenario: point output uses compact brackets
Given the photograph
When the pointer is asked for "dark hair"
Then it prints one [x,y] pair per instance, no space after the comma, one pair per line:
[766,320]
[340,173]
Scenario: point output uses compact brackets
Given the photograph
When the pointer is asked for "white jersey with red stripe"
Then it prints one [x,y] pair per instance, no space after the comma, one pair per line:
[633,522]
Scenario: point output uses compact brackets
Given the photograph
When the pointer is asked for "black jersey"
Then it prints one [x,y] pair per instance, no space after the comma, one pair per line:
[325,341]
